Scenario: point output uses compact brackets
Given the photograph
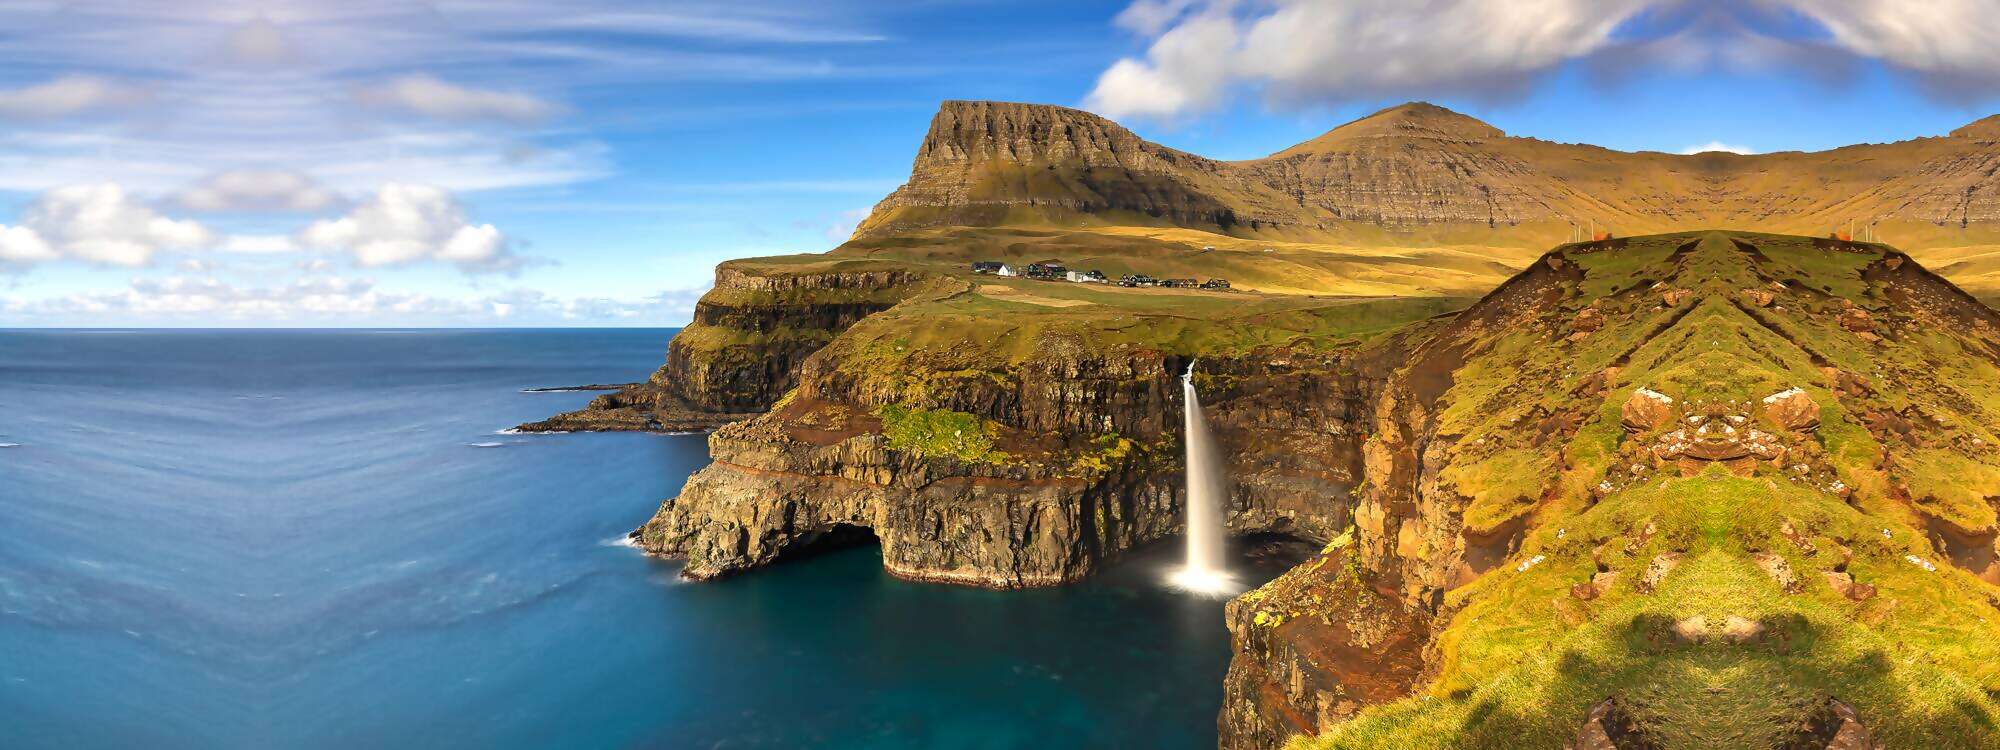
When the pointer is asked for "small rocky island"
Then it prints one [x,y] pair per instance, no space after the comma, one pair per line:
[1668,490]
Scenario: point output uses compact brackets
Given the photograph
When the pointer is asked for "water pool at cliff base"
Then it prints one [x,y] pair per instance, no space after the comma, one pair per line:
[306,539]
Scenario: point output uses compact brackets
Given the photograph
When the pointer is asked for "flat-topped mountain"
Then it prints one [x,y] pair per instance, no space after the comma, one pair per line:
[1421,174]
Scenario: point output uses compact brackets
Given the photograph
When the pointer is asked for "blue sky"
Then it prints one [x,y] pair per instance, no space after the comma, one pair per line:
[555,162]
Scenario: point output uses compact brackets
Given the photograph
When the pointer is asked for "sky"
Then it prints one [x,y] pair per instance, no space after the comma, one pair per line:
[377,163]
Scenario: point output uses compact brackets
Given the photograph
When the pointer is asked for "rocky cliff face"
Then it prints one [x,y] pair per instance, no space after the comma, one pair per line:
[985,163]
[1093,469]
[748,336]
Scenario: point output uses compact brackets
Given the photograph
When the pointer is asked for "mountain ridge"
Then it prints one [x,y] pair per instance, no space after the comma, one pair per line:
[1418,173]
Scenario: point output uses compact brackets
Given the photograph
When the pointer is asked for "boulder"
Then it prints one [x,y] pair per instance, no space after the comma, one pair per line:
[1759,297]
[1608,727]
[1856,320]
[1792,409]
[1674,297]
[1647,410]
[1588,320]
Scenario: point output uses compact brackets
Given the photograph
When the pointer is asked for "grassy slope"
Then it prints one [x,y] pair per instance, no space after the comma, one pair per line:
[1521,660]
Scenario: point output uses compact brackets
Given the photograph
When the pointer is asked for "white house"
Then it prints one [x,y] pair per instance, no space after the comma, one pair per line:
[1006,270]
[1084,277]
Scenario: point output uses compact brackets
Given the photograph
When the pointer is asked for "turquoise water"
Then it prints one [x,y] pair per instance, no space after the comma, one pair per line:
[238,539]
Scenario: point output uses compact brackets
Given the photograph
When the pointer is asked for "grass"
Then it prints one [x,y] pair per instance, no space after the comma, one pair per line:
[1519,673]
[940,433]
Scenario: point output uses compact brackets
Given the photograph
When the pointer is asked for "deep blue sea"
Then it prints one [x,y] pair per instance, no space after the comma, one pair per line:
[316,539]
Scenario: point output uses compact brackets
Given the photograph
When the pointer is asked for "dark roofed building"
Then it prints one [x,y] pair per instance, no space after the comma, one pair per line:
[1137,280]
[1044,271]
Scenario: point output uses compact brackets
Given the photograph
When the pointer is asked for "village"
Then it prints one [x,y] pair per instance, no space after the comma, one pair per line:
[1053,271]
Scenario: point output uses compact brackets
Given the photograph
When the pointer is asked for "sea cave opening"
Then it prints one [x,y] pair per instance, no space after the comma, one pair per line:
[840,536]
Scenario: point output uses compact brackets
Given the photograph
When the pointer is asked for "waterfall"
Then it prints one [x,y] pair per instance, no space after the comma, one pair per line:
[1207,490]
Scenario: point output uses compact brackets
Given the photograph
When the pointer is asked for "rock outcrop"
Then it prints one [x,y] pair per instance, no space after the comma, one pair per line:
[1059,507]
[748,336]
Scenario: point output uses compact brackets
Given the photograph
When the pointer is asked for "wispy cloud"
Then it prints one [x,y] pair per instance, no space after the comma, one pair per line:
[426,96]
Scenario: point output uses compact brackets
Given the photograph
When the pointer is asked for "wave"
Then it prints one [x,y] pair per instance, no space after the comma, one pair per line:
[484,445]
[578,388]
[10,445]
[622,540]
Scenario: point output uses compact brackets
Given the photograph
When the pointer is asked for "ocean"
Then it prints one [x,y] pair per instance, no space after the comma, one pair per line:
[320,539]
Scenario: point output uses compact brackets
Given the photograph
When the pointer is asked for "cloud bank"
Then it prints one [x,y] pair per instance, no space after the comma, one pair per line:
[1199,54]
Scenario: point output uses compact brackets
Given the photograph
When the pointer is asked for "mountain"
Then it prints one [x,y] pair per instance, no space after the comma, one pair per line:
[1412,201]
[1419,174]
[1709,483]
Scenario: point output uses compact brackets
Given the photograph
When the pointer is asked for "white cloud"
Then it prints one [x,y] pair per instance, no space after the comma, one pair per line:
[21,246]
[403,224]
[427,96]
[99,224]
[1713,146]
[258,244]
[262,190]
[1303,50]
[1953,46]
[66,96]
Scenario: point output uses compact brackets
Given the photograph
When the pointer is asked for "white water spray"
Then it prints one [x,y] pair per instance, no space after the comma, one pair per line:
[1207,488]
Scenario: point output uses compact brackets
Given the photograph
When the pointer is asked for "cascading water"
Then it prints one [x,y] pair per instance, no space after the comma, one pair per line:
[1207,488]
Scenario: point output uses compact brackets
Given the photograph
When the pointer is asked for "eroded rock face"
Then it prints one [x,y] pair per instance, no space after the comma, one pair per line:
[1042,517]
[769,494]
[1308,669]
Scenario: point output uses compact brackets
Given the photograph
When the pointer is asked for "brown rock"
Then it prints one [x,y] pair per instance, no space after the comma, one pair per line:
[1608,727]
[1588,320]
[1792,409]
[1674,297]
[1759,297]
[1850,733]
[1857,320]
[1647,410]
